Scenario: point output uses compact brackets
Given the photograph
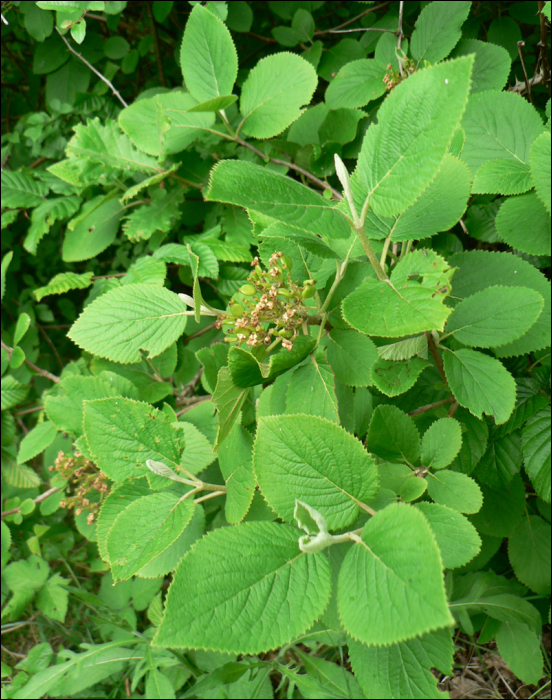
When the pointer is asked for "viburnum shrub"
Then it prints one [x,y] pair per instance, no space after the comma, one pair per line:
[326,423]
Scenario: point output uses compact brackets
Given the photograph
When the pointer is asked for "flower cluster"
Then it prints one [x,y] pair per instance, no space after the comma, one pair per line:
[84,476]
[392,78]
[272,307]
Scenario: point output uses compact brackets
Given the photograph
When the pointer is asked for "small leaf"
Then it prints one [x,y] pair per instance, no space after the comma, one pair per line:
[37,440]
[229,399]
[63,283]
[456,536]
[393,435]
[394,378]
[529,553]
[455,490]
[441,443]
[274,92]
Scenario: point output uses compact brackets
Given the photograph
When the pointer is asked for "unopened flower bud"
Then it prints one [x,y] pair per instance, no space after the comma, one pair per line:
[237,310]
[248,290]
[308,292]
[287,263]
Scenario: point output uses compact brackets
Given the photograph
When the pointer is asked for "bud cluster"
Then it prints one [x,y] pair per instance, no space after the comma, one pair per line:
[392,78]
[83,475]
[272,306]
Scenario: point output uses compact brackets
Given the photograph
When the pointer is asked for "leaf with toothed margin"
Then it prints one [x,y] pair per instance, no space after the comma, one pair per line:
[394,575]
[245,589]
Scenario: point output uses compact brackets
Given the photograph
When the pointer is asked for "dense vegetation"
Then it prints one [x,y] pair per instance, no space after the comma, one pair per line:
[275,349]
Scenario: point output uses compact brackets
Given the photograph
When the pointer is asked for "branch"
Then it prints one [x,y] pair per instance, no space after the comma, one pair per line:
[42,372]
[436,357]
[431,406]
[350,21]
[97,72]
[156,43]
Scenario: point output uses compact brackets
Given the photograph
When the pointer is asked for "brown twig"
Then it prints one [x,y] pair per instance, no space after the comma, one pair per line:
[193,401]
[38,370]
[323,185]
[543,44]
[431,406]
[199,333]
[47,337]
[97,72]
[30,410]
[350,21]
[38,499]
[156,44]
[520,45]
[436,357]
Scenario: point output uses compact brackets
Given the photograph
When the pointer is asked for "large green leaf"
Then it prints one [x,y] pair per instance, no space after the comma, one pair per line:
[536,452]
[120,323]
[539,158]
[411,302]
[431,102]
[231,592]
[277,196]
[529,553]
[499,125]
[403,670]
[495,316]
[480,269]
[164,124]
[457,538]
[480,383]
[385,594]
[147,527]
[519,647]
[208,56]
[274,92]
[437,30]
[122,434]
[310,459]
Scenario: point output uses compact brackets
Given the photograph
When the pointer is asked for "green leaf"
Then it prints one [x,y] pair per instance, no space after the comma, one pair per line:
[412,488]
[536,452]
[147,527]
[524,223]
[198,451]
[13,392]
[495,316]
[93,230]
[37,440]
[539,158]
[163,125]
[492,64]
[274,92]
[356,84]
[63,283]
[38,23]
[394,378]
[120,323]
[236,464]
[480,269]
[474,441]
[21,327]
[106,144]
[228,399]
[386,162]
[351,356]
[411,663]
[441,443]
[480,383]
[277,196]
[499,125]
[529,553]
[312,391]
[247,371]
[159,215]
[502,176]
[502,509]
[122,434]
[501,461]
[382,576]
[411,302]
[310,459]
[456,536]
[505,607]
[21,190]
[45,215]
[208,56]
[231,591]
[64,403]
[393,435]
[6,260]
[455,490]
[335,681]
[116,47]
[146,270]
[437,30]
[519,647]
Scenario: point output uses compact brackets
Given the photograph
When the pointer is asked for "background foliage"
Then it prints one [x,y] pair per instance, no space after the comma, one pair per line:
[151,149]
